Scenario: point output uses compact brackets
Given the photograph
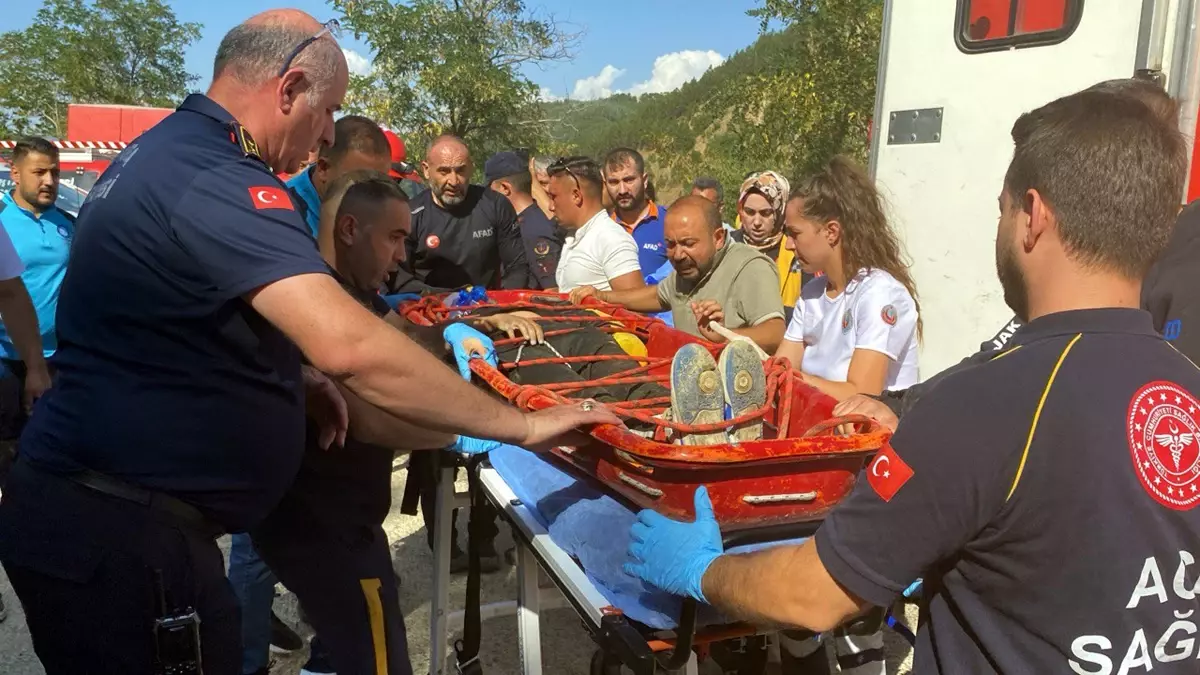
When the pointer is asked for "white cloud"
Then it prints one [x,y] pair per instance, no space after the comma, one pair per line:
[359,64]
[547,96]
[672,71]
[597,86]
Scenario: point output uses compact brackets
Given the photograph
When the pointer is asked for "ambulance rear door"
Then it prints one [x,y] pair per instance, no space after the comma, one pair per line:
[954,76]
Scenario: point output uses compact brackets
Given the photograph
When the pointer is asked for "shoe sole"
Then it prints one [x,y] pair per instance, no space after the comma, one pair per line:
[745,387]
[696,396]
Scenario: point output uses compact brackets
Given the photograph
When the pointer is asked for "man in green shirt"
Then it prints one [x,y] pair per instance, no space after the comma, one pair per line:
[716,281]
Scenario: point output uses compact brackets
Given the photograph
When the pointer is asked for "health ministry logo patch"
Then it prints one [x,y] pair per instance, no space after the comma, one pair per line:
[1164,441]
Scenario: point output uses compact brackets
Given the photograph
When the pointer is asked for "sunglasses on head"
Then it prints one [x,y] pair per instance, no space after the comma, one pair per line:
[564,164]
[331,27]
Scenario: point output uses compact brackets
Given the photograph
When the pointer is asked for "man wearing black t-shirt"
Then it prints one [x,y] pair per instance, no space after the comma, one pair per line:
[1047,496]
[462,234]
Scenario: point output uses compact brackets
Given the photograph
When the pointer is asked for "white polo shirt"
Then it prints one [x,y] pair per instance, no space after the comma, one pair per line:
[598,251]
[875,312]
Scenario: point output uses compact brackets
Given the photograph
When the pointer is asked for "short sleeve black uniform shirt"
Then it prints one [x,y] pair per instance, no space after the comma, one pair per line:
[167,378]
[1048,497]
[476,243]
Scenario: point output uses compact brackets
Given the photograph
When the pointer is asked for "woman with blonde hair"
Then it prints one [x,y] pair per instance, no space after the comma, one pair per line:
[855,329]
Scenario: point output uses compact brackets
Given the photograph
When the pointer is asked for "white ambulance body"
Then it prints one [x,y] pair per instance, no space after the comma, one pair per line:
[953,77]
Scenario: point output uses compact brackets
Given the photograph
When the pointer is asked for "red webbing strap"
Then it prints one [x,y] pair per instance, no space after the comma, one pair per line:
[780,376]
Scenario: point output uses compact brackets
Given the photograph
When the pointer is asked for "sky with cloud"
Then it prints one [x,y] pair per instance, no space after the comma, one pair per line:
[635,48]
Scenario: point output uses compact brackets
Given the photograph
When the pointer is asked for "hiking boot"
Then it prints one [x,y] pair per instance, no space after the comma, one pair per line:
[318,662]
[745,386]
[696,394]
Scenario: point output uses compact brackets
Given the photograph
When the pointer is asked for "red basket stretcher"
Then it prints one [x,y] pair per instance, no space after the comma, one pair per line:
[800,470]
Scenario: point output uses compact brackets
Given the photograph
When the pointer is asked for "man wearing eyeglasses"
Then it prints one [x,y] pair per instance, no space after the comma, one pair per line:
[195,290]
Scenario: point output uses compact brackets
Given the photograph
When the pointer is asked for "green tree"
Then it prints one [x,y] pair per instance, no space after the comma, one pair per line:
[103,51]
[453,66]
[825,108]
[801,93]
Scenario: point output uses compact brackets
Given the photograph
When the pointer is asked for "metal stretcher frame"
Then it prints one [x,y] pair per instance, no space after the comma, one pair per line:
[612,632]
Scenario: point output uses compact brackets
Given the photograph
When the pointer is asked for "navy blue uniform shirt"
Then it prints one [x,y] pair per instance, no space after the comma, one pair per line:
[350,486]
[543,244]
[167,378]
[1048,498]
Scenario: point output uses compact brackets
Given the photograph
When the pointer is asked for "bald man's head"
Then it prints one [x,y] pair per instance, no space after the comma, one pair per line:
[447,168]
[283,76]
[694,235]
[256,50]
[698,209]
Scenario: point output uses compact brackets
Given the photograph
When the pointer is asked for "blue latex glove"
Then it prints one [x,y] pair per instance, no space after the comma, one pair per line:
[457,335]
[397,299]
[672,555]
[473,446]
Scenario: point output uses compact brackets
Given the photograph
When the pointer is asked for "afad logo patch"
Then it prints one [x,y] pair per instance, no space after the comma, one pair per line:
[887,473]
[1164,441]
[271,198]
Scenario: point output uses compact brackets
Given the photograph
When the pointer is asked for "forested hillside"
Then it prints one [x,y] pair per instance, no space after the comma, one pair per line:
[788,102]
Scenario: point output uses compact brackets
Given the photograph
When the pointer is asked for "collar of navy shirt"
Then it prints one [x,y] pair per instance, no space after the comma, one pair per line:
[1074,322]
[203,105]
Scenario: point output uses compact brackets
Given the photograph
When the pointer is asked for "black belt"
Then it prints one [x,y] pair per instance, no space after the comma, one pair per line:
[182,512]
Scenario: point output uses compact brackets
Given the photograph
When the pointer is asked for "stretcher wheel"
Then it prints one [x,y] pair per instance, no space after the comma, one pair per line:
[862,424]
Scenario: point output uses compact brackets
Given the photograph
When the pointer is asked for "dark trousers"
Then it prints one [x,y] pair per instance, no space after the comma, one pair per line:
[341,571]
[83,565]
[12,411]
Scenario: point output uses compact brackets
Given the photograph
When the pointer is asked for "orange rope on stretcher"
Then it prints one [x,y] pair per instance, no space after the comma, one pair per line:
[781,378]
[780,384]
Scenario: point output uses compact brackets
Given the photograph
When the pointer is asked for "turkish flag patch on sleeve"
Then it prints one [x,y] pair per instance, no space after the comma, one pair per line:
[887,473]
[271,198]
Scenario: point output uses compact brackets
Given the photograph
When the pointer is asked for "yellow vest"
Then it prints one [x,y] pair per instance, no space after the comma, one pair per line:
[789,279]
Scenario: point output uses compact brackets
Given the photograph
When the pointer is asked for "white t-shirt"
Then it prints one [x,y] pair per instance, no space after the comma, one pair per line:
[598,251]
[875,312]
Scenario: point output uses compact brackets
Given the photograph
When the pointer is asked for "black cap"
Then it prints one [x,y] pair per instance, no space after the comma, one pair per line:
[503,164]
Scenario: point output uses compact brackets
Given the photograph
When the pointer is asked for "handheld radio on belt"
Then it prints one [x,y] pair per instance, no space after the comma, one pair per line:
[176,636]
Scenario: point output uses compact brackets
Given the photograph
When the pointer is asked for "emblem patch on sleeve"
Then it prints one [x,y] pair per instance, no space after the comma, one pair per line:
[887,473]
[432,241]
[1164,440]
[889,315]
[271,198]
